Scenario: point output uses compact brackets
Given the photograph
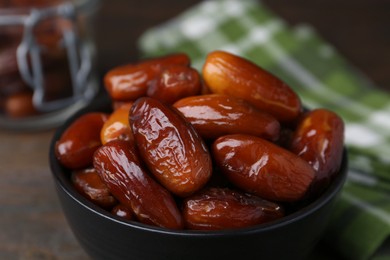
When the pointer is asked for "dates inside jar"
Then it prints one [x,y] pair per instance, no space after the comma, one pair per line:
[161,159]
[38,66]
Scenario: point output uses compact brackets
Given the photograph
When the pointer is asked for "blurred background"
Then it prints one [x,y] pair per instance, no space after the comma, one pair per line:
[359,29]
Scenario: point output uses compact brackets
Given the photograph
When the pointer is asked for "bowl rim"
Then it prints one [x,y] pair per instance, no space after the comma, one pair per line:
[102,104]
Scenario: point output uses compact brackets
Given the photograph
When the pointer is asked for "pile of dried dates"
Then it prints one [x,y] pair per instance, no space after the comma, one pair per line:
[230,148]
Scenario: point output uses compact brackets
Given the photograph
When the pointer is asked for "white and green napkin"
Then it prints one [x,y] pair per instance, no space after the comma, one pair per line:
[360,223]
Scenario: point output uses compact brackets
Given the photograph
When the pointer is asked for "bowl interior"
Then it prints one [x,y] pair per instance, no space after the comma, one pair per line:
[61,176]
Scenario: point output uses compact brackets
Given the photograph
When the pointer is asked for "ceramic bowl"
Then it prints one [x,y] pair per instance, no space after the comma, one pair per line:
[104,236]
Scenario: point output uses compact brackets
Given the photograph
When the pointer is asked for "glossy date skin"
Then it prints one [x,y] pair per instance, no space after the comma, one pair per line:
[91,186]
[263,168]
[222,208]
[228,74]
[319,140]
[174,83]
[120,169]
[216,115]
[80,140]
[265,152]
[129,82]
[170,147]
[122,211]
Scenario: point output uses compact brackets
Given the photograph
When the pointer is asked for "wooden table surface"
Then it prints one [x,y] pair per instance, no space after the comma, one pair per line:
[32,225]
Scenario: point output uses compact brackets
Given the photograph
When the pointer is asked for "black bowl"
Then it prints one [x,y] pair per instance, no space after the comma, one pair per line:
[105,236]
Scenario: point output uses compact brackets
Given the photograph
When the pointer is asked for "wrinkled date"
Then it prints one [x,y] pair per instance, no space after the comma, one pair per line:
[319,139]
[91,186]
[174,83]
[120,169]
[217,208]
[80,140]
[173,151]
[216,115]
[262,168]
[130,82]
[228,74]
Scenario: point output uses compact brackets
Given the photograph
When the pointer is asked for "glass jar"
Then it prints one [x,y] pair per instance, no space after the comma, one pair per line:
[46,61]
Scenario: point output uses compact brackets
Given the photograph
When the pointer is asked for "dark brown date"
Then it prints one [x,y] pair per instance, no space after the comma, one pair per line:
[89,184]
[174,83]
[217,208]
[120,169]
[216,115]
[263,168]
[129,82]
[319,140]
[80,140]
[170,146]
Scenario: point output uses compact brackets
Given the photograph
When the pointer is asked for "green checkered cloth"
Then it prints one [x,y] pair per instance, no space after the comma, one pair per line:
[361,220]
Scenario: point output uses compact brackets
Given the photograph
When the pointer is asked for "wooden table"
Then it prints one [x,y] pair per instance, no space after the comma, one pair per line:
[32,225]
